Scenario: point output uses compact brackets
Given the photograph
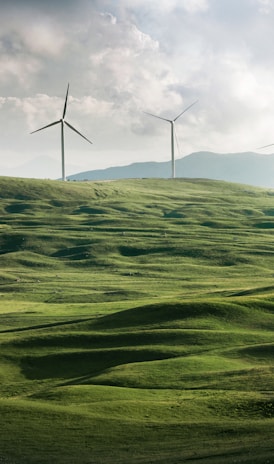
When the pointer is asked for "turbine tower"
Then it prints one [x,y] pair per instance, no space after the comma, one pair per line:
[172,122]
[63,122]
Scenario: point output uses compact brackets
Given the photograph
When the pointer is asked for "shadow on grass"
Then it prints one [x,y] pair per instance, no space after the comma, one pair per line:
[83,363]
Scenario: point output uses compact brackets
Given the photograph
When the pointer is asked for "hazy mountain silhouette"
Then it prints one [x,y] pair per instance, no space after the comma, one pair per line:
[245,168]
[42,167]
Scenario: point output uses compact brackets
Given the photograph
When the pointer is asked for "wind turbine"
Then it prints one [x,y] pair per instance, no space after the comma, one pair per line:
[62,122]
[265,146]
[172,122]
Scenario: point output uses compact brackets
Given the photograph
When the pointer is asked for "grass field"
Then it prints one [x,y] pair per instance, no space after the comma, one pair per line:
[136,322]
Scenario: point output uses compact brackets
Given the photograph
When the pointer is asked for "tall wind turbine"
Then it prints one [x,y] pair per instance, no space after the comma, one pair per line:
[265,146]
[62,122]
[172,122]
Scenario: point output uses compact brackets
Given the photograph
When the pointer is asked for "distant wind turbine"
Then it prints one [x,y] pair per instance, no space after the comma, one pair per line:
[172,122]
[265,146]
[62,122]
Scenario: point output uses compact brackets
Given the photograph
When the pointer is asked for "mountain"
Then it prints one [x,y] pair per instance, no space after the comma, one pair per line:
[245,168]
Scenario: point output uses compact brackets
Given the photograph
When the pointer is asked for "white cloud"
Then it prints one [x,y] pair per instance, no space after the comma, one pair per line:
[165,6]
[266,6]
[40,108]
[41,38]
[112,19]
[18,69]
[132,69]
[195,6]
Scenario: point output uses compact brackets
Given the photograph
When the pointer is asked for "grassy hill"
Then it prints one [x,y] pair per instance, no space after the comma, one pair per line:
[137,322]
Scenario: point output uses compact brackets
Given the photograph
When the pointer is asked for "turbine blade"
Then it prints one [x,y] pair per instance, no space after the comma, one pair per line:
[77,132]
[66,101]
[185,111]
[49,125]
[159,117]
[265,146]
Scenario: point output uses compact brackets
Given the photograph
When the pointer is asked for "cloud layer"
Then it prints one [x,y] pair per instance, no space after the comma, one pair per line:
[124,58]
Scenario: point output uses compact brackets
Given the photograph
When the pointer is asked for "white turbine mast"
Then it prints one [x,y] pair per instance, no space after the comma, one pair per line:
[172,122]
[62,122]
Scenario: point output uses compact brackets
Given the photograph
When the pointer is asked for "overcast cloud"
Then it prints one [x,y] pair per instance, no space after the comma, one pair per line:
[123,57]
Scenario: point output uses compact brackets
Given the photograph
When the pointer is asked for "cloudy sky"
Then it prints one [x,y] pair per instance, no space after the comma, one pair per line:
[124,57]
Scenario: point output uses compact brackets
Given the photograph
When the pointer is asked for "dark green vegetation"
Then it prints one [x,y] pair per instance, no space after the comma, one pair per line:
[137,322]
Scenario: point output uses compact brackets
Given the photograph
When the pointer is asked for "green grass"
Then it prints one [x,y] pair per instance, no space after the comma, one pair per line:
[136,322]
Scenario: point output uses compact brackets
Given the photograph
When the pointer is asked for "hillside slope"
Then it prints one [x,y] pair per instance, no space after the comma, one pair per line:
[176,231]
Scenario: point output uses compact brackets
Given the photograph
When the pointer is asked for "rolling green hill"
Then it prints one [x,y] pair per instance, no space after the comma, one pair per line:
[136,322]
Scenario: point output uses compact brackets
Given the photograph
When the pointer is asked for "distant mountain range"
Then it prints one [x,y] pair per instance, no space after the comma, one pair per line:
[245,168]
[41,167]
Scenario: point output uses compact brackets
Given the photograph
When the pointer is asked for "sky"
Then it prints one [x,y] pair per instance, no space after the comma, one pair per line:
[123,58]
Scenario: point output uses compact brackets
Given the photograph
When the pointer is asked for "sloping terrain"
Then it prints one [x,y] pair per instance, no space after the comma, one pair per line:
[136,322]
